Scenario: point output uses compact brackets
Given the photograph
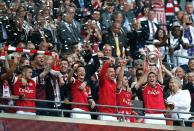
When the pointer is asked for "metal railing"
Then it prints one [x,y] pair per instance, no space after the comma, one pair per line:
[123,116]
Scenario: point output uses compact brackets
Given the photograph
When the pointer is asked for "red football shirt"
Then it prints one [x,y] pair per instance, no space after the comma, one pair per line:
[29,92]
[124,99]
[80,96]
[153,98]
[107,91]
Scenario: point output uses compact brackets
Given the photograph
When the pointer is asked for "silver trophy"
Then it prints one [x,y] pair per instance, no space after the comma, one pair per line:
[152,55]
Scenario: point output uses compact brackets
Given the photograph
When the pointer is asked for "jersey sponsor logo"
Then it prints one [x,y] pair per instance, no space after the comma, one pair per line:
[127,101]
[26,90]
[153,92]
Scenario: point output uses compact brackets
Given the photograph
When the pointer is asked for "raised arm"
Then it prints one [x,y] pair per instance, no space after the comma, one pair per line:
[167,71]
[104,70]
[121,74]
[10,71]
[70,75]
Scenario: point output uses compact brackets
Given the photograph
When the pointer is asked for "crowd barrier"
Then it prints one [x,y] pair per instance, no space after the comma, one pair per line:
[62,111]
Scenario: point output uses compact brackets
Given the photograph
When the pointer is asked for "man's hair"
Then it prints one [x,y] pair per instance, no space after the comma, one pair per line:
[152,73]
[24,68]
[64,59]
[177,81]
[190,60]
[79,66]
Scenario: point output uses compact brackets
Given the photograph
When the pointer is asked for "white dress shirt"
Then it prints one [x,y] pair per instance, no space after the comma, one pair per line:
[152,29]
[180,52]
[182,103]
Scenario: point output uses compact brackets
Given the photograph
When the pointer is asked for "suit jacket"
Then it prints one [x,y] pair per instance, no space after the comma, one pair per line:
[1,33]
[79,12]
[87,4]
[36,37]
[146,28]
[7,25]
[17,36]
[109,39]
[106,20]
[136,40]
[67,37]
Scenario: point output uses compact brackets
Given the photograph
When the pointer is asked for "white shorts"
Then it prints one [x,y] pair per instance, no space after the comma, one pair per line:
[107,118]
[78,115]
[25,113]
[154,121]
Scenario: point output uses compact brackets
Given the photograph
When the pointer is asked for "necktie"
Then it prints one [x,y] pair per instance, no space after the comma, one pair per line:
[4,32]
[118,52]
[190,17]
[152,24]
[73,32]
[81,2]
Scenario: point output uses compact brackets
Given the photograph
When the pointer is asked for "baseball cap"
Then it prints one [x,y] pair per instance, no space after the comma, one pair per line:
[176,24]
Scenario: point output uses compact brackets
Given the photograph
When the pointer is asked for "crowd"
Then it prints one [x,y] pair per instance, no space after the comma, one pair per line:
[96,52]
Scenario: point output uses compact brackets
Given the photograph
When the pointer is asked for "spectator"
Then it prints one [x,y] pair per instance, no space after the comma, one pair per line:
[136,40]
[179,100]
[190,87]
[178,45]
[188,32]
[128,15]
[106,17]
[115,38]
[150,26]
[96,19]
[179,72]
[189,10]
[107,50]
[68,31]
[189,67]
[91,34]
[161,42]
[40,33]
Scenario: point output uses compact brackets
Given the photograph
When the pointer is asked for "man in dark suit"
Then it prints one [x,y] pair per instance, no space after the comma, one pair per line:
[106,16]
[189,10]
[150,26]
[3,32]
[5,24]
[115,38]
[68,31]
[40,33]
[84,8]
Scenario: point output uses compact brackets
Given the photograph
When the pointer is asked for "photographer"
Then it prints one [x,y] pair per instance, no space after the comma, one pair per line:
[178,45]
[91,33]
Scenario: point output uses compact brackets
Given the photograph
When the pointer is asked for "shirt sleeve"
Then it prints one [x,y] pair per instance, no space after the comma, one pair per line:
[36,79]
[184,100]
[14,79]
